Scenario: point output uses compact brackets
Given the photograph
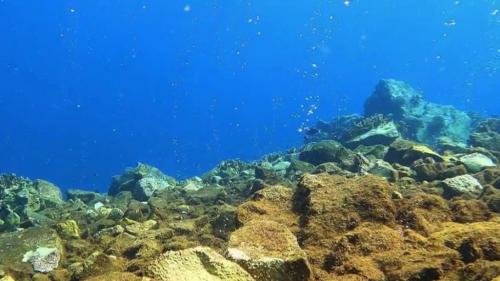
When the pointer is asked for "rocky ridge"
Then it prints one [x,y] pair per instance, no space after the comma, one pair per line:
[366,198]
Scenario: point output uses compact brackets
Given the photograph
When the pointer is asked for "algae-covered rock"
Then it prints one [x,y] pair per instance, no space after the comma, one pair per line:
[383,169]
[475,162]
[325,151]
[68,229]
[196,264]
[438,170]
[15,245]
[331,205]
[426,122]
[479,240]
[406,152]
[462,185]
[21,200]
[85,196]
[269,251]
[43,259]
[384,134]
[142,180]
[274,203]
[487,135]
[118,276]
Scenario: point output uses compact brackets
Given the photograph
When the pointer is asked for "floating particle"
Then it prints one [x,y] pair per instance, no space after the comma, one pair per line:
[347,3]
[494,12]
[71,10]
[314,65]
[187,8]
[451,22]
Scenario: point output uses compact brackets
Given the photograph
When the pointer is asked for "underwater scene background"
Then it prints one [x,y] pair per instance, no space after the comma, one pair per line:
[250,140]
[89,88]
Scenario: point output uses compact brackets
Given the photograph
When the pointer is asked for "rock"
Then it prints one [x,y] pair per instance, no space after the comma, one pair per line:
[196,264]
[118,276]
[446,144]
[14,246]
[142,181]
[140,228]
[474,241]
[438,171]
[269,251]
[273,203]
[384,134]
[424,213]
[406,152]
[43,259]
[326,151]
[68,229]
[230,172]
[383,169]
[332,205]
[487,135]
[194,184]
[268,175]
[467,211]
[22,200]
[462,185]
[426,122]
[85,196]
[476,162]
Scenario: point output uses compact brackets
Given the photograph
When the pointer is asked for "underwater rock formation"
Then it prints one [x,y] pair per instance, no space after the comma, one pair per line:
[23,200]
[357,202]
[426,121]
[395,110]
[142,181]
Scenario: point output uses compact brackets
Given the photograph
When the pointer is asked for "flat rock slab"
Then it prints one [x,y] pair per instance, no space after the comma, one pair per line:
[196,264]
[13,246]
[269,251]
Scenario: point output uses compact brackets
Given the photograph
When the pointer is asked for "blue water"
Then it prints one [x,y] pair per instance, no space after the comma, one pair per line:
[90,87]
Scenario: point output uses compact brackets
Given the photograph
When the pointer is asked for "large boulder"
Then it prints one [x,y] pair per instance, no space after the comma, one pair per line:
[475,162]
[406,152]
[487,135]
[426,122]
[269,251]
[464,185]
[33,249]
[142,180]
[196,264]
[21,199]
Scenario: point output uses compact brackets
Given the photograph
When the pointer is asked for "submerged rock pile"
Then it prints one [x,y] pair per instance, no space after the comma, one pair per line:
[366,198]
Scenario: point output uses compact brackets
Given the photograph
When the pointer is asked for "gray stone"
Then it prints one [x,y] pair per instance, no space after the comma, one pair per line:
[384,134]
[462,185]
[426,122]
[475,162]
[142,181]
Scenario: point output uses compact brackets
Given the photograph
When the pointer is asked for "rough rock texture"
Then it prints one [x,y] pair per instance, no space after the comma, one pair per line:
[462,185]
[269,251]
[487,135]
[428,121]
[387,210]
[15,245]
[196,264]
[406,152]
[142,181]
[21,200]
[475,162]
[331,205]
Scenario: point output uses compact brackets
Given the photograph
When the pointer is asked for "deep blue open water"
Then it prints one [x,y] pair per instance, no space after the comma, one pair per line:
[88,88]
